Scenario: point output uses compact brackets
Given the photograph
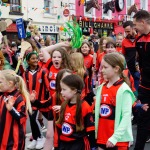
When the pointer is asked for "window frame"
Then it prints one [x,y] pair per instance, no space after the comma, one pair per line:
[15,10]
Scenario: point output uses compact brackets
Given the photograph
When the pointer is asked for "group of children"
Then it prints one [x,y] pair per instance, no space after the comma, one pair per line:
[58,83]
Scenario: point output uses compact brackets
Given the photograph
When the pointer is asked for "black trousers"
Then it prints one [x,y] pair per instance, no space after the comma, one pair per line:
[35,126]
[143,120]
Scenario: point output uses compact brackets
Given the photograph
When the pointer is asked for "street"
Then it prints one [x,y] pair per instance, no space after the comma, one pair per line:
[147,147]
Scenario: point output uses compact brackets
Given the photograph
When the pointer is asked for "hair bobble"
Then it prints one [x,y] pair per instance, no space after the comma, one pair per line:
[79,91]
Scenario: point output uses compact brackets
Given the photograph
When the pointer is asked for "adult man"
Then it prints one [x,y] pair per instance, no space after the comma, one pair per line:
[128,46]
[141,21]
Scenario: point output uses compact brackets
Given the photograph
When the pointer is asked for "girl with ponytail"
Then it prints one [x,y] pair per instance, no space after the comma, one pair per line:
[14,104]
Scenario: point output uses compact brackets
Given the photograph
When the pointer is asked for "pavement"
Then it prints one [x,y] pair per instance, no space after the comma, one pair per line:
[28,135]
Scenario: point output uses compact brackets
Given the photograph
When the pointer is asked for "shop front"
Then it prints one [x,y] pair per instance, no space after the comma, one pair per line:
[12,33]
[103,28]
[49,30]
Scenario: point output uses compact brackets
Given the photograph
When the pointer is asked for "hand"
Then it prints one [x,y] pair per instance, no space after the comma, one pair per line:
[56,108]
[65,44]
[33,96]
[145,107]
[109,144]
[9,103]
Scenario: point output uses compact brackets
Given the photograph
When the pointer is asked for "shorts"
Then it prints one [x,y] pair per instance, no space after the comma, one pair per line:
[81,144]
[113,148]
[48,115]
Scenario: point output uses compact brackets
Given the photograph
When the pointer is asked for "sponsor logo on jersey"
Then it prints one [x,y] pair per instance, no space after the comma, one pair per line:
[66,129]
[105,110]
[52,84]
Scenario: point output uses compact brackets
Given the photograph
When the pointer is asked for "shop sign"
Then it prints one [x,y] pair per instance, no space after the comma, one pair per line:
[66,12]
[96,25]
[48,28]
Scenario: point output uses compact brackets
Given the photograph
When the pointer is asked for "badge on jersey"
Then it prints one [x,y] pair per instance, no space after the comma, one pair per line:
[40,80]
[105,110]
[52,84]
[50,74]
[66,129]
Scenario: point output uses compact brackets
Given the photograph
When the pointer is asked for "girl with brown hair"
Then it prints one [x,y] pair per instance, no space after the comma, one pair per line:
[76,120]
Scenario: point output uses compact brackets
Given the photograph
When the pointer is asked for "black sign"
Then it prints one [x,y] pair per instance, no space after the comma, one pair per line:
[96,25]
[6,1]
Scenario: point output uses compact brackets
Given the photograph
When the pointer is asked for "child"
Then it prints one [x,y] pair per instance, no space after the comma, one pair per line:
[113,110]
[110,47]
[14,103]
[75,121]
[57,60]
[79,69]
[88,58]
[119,39]
[37,80]
[58,100]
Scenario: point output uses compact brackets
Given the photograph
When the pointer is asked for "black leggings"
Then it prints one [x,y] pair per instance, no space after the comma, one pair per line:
[143,120]
[35,126]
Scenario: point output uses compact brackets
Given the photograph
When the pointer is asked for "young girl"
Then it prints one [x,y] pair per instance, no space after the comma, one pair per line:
[113,106]
[36,79]
[119,39]
[55,61]
[75,121]
[14,103]
[57,100]
[79,69]
[88,58]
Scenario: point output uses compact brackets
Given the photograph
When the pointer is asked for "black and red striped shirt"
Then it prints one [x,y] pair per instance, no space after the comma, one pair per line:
[13,123]
[37,80]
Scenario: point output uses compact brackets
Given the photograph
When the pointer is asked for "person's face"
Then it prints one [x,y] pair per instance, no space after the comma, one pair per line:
[66,92]
[33,61]
[107,70]
[57,59]
[4,85]
[42,42]
[110,49]
[14,48]
[119,40]
[129,32]
[139,26]
[29,50]
[85,49]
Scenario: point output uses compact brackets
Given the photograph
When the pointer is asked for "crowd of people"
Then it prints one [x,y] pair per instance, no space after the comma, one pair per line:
[87,95]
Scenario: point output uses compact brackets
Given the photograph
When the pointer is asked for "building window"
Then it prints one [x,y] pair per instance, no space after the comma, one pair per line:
[144,4]
[17,7]
[107,15]
[129,3]
[90,12]
[47,5]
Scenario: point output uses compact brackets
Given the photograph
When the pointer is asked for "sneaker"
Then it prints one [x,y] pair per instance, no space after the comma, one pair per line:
[32,145]
[40,143]
[43,127]
[31,138]
[148,140]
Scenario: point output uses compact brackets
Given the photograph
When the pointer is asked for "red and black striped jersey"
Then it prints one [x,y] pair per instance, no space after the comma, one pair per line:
[13,123]
[37,81]
[143,49]
[107,113]
[68,128]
